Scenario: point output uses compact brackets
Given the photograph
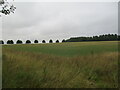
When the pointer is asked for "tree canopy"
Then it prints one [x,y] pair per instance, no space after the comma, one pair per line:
[106,37]
[36,41]
[19,42]
[6,8]
[1,42]
[10,42]
[50,41]
[28,42]
[43,41]
[57,41]
[63,40]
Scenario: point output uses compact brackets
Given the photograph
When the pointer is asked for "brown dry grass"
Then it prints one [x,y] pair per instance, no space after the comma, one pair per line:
[36,70]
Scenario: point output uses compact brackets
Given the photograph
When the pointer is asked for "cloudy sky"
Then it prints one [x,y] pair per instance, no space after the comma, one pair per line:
[59,20]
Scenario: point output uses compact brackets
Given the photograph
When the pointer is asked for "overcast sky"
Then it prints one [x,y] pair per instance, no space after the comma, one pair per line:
[60,20]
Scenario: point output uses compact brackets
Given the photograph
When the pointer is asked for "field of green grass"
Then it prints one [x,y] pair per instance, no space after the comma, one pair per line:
[61,65]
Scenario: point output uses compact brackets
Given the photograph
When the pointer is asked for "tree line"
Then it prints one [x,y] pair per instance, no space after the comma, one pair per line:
[106,37]
[28,41]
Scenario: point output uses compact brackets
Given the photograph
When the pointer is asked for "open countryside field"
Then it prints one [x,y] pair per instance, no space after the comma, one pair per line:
[61,65]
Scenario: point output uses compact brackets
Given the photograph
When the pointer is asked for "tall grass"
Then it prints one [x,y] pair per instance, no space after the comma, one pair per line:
[26,69]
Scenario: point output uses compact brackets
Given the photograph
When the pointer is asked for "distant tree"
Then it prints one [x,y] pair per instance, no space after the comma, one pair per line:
[28,42]
[50,41]
[63,40]
[115,37]
[19,42]
[118,38]
[1,42]
[106,37]
[43,41]
[36,41]
[95,38]
[10,42]
[57,41]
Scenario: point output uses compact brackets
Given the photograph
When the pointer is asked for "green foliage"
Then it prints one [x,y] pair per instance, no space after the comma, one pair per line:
[57,41]
[63,40]
[109,37]
[50,41]
[43,41]
[36,41]
[10,42]
[19,42]
[6,8]
[106,37]
[28,42]
[1,42]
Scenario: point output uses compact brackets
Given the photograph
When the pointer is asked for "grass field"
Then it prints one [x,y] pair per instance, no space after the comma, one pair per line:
[61,65]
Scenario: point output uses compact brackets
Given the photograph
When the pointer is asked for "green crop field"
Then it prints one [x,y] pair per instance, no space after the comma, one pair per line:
[61,65]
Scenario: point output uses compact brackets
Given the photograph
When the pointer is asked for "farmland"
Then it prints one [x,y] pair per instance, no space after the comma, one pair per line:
[61,65]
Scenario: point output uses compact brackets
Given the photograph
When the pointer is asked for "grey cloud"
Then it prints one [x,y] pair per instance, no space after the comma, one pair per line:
[60,20]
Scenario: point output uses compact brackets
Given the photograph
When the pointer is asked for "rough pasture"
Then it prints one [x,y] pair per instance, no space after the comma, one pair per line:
[61,65]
